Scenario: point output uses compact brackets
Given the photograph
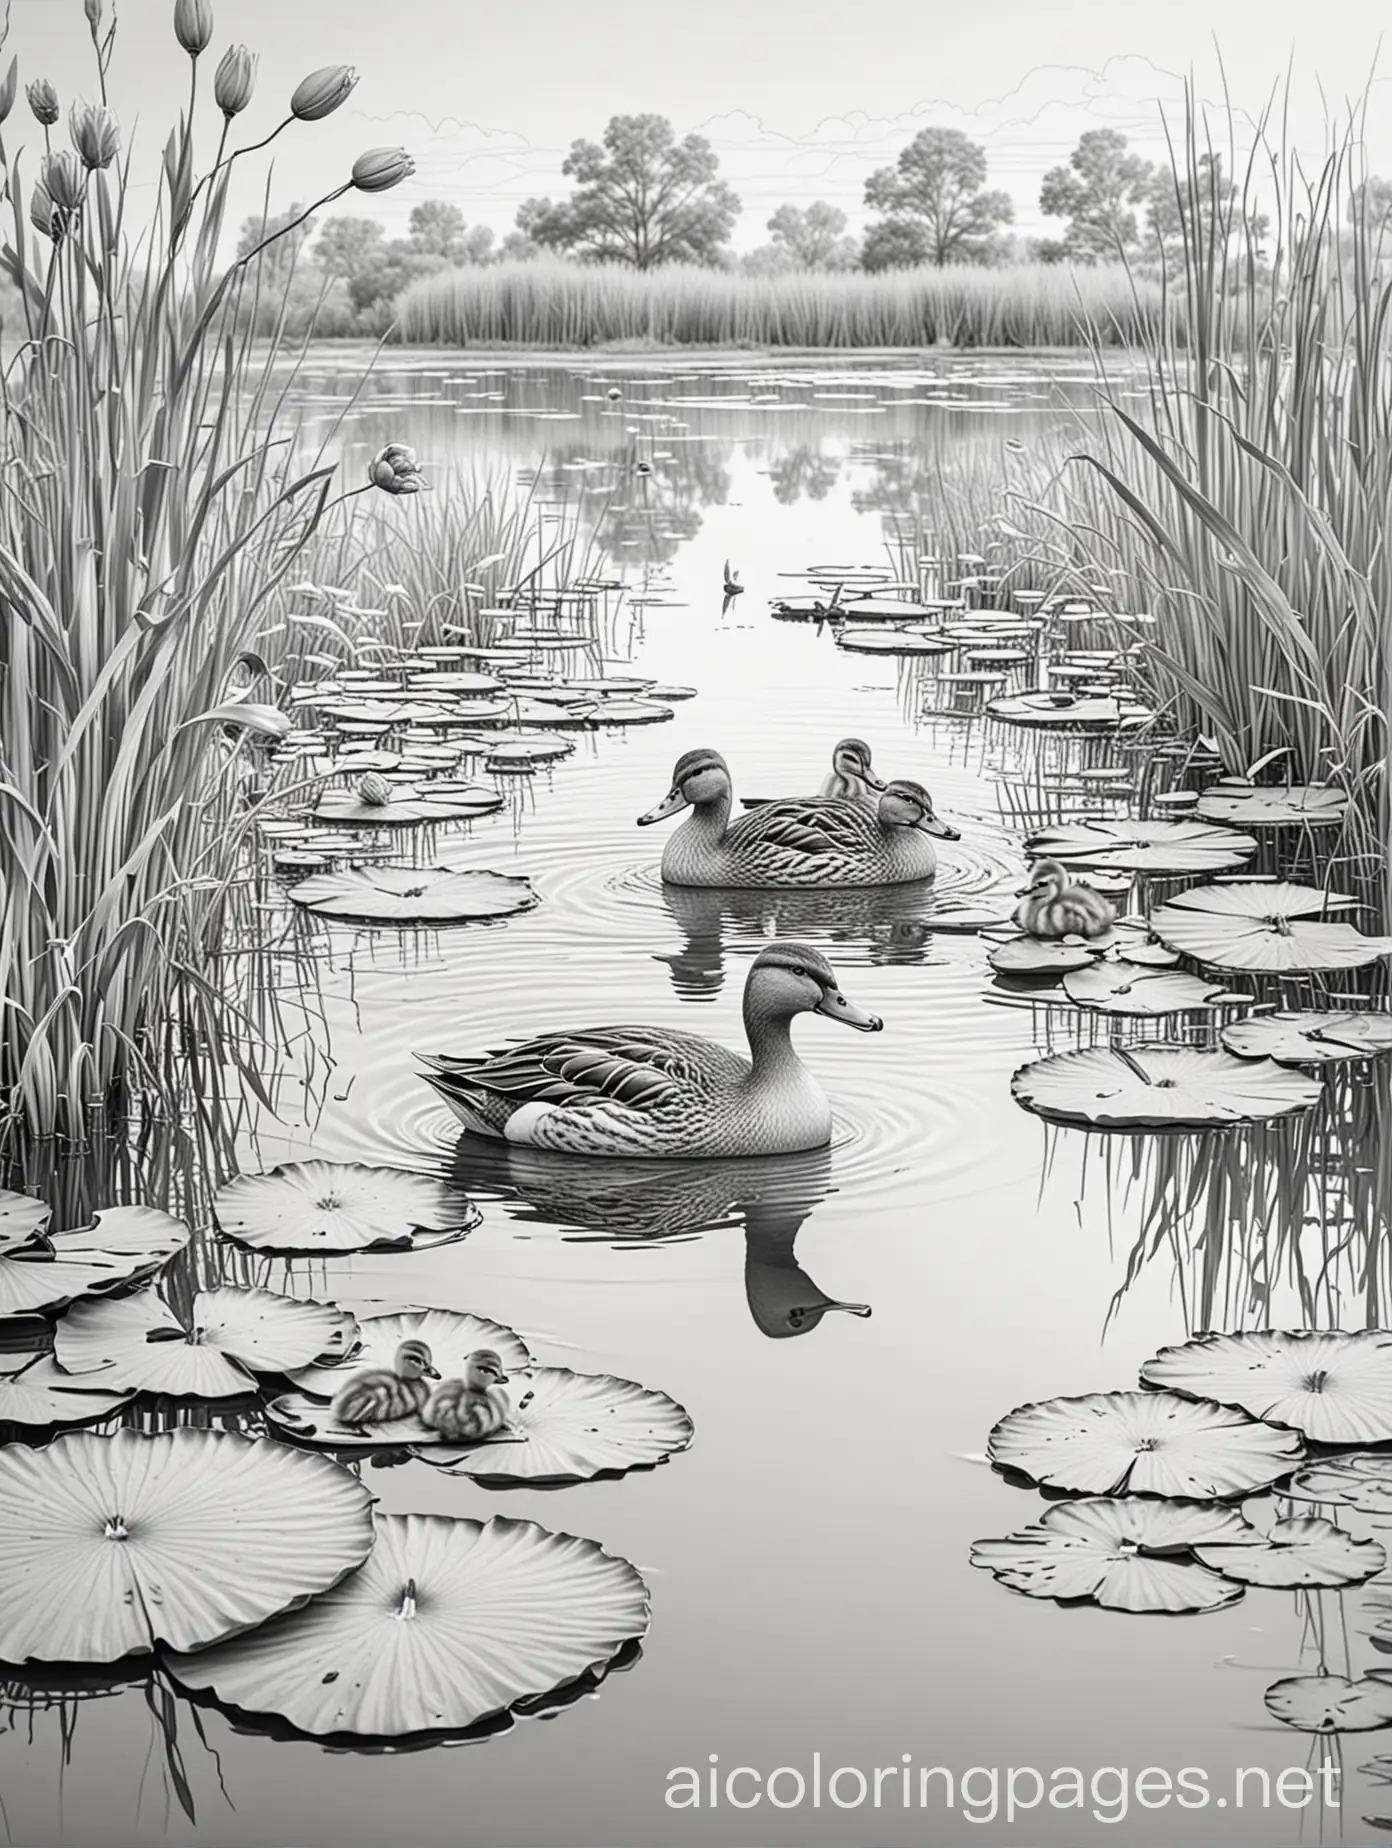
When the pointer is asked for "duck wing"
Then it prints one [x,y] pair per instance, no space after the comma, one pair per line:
[639,1066]
[810,827]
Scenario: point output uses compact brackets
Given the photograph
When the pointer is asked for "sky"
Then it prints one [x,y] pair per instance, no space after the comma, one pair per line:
[802,99]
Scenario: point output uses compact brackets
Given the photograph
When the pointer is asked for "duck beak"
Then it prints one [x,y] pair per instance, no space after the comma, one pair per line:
[1025,891]
[670,804]
[931,825]
[431,1373]
[836,1007]
[867,775]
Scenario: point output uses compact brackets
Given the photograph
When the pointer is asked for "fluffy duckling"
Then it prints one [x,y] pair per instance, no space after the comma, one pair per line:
[1052,907]
[851,778]
[472,1408]
[381,1394]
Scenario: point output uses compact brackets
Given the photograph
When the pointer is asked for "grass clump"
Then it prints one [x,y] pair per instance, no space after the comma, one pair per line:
[553,303]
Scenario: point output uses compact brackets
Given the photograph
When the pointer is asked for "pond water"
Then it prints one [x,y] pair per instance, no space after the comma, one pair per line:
[808,1558]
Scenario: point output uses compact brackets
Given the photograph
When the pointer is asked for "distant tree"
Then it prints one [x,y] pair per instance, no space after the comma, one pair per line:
[642,197]
[1371,206]
[938,187]
[437,228]
[1199,211]
[1096,192]
[518,247]
[814,237]
[347,247]
[279,260]
[894,243]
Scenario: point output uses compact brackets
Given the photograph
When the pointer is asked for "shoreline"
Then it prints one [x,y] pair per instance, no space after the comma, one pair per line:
[361,353]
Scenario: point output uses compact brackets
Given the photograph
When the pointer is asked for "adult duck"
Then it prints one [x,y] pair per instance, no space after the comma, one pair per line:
[801,841]
[656,1091]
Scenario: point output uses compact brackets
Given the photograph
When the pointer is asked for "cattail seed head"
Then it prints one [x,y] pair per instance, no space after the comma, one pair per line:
[382,168]
[322,92]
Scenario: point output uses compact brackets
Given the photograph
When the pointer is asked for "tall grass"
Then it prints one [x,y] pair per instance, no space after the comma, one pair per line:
[148,509]
[553,303]
[1248,501]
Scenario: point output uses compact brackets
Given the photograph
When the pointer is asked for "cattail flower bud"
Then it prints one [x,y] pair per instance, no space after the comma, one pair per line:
[9,89]
[44,215]
[322,92]
[382,168]
[43,100]
[63,180]
[235,80]
[395,470]
[95,133]
[193,25]
[93,10]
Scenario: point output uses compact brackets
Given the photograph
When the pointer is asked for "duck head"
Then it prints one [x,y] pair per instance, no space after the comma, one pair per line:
[413,1362]
[699,777]
[908,805]
[851,758]
[1046,880]
[483,1369]
[789,978]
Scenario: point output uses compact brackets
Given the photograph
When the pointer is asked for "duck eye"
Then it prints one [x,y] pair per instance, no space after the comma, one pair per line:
[798,969]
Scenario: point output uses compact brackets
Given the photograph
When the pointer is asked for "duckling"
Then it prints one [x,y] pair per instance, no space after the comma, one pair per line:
[851,779]
[381,1394]
[472,1408]
[1051,907]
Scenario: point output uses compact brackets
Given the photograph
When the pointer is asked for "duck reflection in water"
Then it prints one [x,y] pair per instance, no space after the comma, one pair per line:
[892,924]
[628,1201]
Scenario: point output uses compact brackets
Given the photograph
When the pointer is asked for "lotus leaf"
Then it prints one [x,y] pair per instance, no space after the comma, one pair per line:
[110,1545]
[1275,928]
[1311,1037]
[1161,1087]
[410,895]
[1296,1553]
[1143,1443]
[1361,1482]
[1244,805]
[48,1269]
[407,806]
[341,1206]
[1144,846]
[1330,1703]
[36,1392]
[448,1623]
[1126,988]
[1334,1388]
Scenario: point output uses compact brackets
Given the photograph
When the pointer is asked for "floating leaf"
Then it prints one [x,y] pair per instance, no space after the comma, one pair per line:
[1126,988]
[1124,1553]
[35,1392]
[1333,1387]
[1143,1443]
[137,1342]
[408,895]
[1361,1482]
[1294,1554]
[110,1545]
[1161,1087]
[1308,805]
[448,1623]
[1310,1037]
[450,1334]
[408,806]
[1144,846]
[1274,928]
[1330,1703]
[906,642]
[1064,712]
[47,1270]
[304,1206]
[1035,956]
[21,1216]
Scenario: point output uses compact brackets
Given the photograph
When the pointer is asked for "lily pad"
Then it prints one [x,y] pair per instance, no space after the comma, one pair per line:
[1335,1388]
[1330,1703]
[412,895]
[1143,1443]
[1036,956]
[566,1427]
[448,1623]
[1294,1554]
[1360,1482]
[1127,988]
[450,1334]
[1310,1037]
[506,749]
[1161,1087]
[1144,846]
[1057,712]
[1244,805]
[1273,929]
[1127,1553]
[407,806]
[111,1545]
[21,1216]
[45,1270]
[138,1343]
[35,1392]
[906,642]
[311,1206]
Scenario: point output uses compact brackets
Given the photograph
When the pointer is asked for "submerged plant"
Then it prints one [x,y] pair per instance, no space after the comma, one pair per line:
[151,504]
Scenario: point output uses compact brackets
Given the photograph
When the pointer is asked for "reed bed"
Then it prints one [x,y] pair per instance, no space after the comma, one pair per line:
[553,303]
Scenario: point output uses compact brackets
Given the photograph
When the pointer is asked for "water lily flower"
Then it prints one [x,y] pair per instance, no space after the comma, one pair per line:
[43,100]
[9,89]
[395,470]
[382,168]
[235,80]
[193,25]
[96,134]
[63,179]
[322,92]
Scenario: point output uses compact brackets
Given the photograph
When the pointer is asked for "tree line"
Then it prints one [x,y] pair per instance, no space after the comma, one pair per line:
[644,197]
